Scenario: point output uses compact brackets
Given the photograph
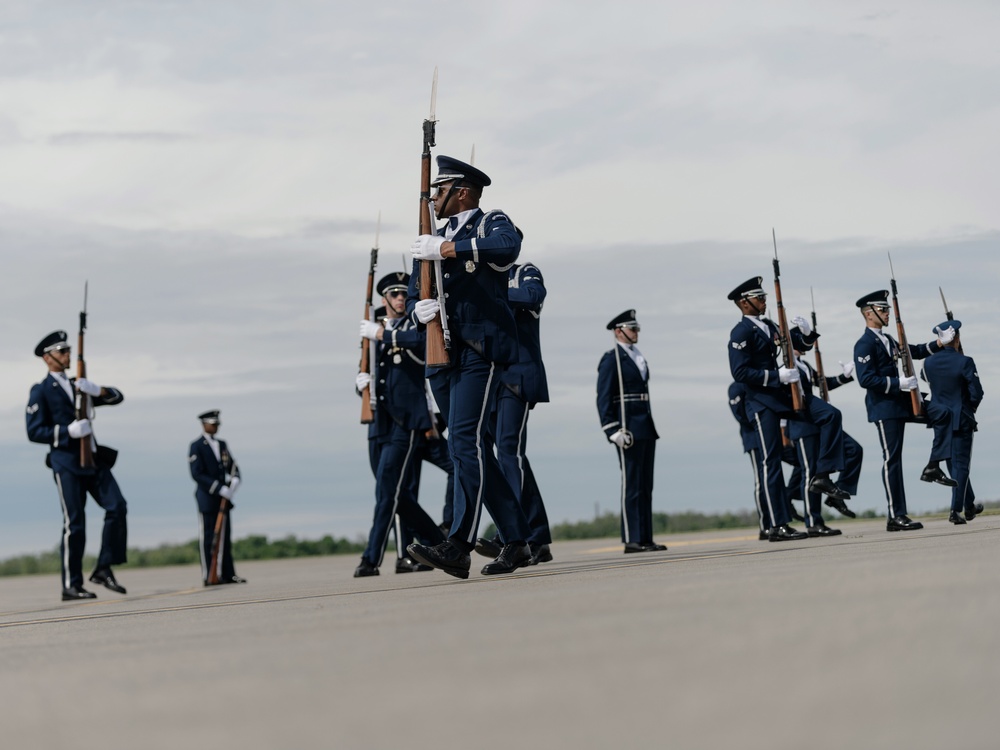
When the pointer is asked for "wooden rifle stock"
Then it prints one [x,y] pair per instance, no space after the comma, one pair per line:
[213,570]
[916,402]
[367,412]
[786,341]
[824,389]
[437,353]
[82,399]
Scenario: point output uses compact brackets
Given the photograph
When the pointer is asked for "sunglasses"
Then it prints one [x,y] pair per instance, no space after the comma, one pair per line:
[395,293]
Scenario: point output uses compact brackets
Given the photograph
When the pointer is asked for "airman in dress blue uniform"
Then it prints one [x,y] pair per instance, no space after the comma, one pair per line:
[806,438]
[217,477]
[887,399]
[753,362]
[476,250]
[956,393]
[627,421]
[402,401]
[51,420]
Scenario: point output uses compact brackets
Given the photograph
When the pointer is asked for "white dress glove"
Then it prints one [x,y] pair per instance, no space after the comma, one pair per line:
[225,492]
[234,484]
[848,369]
[946,336]
[93,389]
[803,325]
[79,428]
[621,439]
[427,247]
[362,381]
[426,309]
[370,330]
[788,375]
[908,384]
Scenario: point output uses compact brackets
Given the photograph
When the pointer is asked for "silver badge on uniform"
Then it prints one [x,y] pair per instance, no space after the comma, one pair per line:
[470,267]
[396,359]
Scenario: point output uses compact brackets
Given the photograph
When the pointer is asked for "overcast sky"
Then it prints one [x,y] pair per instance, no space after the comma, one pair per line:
[215,170]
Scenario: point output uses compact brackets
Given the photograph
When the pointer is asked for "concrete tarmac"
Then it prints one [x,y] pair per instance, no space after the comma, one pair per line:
[866,640]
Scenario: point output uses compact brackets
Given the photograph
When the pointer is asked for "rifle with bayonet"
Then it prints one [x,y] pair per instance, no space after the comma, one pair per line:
[948,313]
[824,389]
[213,571]
[83,409]
[786,342]
[368,393]
[916,402]
[437,343]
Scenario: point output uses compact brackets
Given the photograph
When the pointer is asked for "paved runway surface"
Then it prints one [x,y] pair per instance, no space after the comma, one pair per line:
[868,640]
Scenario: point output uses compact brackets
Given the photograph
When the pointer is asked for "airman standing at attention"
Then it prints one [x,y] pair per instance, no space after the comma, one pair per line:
[627,421]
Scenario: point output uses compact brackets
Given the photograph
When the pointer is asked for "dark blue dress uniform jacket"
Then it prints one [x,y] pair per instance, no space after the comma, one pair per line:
[752,362]
[48,416]
[525,294]
[209,473]
[737,404]
[638,414]
[475,285]
[400,385]
[800,428]
[878,374]
[956,389]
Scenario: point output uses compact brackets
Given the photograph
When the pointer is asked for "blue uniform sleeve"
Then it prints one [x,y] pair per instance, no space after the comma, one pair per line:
[922,351]
[39,423]
[109,397]
[865,361]
[407,337]
[527,289]
[973,386]
[607,389]
[500,244]
[741,362]
[199,472]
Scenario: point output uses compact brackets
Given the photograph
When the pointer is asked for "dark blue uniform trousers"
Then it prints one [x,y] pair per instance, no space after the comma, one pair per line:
[768,427]
[394,494]
[890,435]
[73,489]
[636,464]
[959,464]
[808,449]
[830,446]
[465,393]
[225,569]
[434,451]
[511,440]
[758,491]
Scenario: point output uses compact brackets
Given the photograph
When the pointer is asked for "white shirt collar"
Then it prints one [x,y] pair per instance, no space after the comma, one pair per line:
[460,221]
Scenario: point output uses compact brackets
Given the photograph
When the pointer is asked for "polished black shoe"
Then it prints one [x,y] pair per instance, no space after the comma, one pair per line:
[973,510]
[104,577]
[764,535]
[511,557]
[786,533]
[934,474]
[445,556]
[654,547]
[821,529]
[77,592]
[956,518]
[490,548]
[366,569]
[825,486]
[840,506]
[539,553]
[902,523]
[633,547]
[235,579]
[409,565]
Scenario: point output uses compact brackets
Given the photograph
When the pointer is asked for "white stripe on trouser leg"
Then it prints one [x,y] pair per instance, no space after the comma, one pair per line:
[397,524]
[806,479]
[222,545]
[474,529]
[65,510]
[201,546]
[756,488]
[395,498]
[885,466]
[520,449]
[621,459]
[763,463]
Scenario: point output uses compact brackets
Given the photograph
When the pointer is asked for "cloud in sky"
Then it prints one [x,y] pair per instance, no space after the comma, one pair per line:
[215,172]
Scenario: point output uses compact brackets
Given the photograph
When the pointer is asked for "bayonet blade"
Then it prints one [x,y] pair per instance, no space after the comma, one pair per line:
[434,96]
[812,297]
[85,285]
[472,159]
[378,228]
[892,271]
[943,301]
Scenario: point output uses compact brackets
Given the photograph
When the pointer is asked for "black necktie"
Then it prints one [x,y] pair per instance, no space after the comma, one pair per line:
[453,223]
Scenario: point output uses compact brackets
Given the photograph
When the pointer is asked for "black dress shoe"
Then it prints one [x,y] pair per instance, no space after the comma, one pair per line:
[764,535]
[77,592]
[934,474]
[490,548]
[824,485]
[409,565]
[840,506]
[973,510]
[235,579]
[956,518]
[511,557]
[902,523]
[445,556]
[539,553]
[654,547]
[104,577]
[821,529]
[633,547]
[786,533]
[366,569]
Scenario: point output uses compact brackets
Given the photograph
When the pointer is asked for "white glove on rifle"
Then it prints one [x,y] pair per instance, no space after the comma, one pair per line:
[79,428]
[226,492]
[93,389]
[370,330]
[803,325]
[426,309]
[848,369]
[621,439]
[427,247]
[788,375]
[908,384]
[362,381]
[946,336]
